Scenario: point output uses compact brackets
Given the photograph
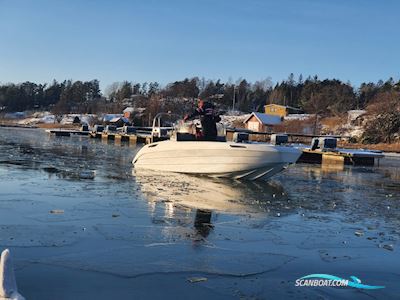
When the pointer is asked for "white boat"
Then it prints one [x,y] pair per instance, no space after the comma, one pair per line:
[238,160]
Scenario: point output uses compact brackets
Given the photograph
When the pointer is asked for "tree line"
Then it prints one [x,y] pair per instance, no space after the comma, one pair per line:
[325,97]
[67,96]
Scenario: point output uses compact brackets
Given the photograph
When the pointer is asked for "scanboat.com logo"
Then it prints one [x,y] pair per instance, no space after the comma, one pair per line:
[334,281]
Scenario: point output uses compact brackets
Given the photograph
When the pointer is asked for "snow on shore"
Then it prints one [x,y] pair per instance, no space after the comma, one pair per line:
[300,117]
[49,118]
[233,121]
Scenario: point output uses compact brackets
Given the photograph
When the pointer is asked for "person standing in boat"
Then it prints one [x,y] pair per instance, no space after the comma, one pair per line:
[208,119]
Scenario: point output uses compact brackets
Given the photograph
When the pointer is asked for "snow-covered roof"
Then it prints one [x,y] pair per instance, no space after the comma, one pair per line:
[108,117]
[265,119]
[116,119]
[129,109]
[15,115]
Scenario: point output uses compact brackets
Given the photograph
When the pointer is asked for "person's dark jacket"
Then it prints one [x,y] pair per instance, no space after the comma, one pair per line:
[208,119]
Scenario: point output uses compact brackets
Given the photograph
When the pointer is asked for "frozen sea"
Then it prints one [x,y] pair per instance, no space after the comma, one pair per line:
[129,235]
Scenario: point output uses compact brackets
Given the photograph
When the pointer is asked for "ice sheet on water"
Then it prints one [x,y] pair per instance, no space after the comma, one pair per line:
[133,261]
[39,235]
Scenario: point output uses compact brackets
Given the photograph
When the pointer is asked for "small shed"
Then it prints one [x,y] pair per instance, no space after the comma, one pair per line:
[280,110]
[260,122]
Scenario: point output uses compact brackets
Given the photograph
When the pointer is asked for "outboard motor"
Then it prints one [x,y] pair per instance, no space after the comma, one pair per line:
[110,128]
[128,129]
[98,128]
[326,143]
[314,144]
[159,132]
[240,137]
[279,139]
[184,132]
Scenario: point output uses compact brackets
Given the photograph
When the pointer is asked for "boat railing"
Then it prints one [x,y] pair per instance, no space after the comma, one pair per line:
[157,130]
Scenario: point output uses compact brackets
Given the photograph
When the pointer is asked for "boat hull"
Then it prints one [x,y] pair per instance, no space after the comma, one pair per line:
[217,159]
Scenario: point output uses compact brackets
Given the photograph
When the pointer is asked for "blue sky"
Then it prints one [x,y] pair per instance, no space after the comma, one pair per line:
[164,41]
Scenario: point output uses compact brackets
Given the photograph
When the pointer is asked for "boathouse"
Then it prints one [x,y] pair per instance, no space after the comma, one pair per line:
[260,122]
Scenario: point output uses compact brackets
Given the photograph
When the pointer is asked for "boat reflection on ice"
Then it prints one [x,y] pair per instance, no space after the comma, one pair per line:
[189,205]
[208,194]
[202,222]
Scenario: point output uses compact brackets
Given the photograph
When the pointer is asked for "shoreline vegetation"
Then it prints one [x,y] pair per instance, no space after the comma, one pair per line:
[327,103]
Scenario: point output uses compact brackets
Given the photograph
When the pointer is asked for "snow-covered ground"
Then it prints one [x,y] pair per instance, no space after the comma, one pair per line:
[298,117]
[353,131]
[49,118]
[232,121]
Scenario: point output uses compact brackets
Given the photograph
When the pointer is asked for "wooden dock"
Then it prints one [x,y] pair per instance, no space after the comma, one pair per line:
[340,157]
[117,137]
[66,132]
[141,136]
[9,125]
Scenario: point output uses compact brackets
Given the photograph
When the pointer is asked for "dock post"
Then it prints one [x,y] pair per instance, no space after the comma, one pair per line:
[332,159]
[118,139]
[132,140]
